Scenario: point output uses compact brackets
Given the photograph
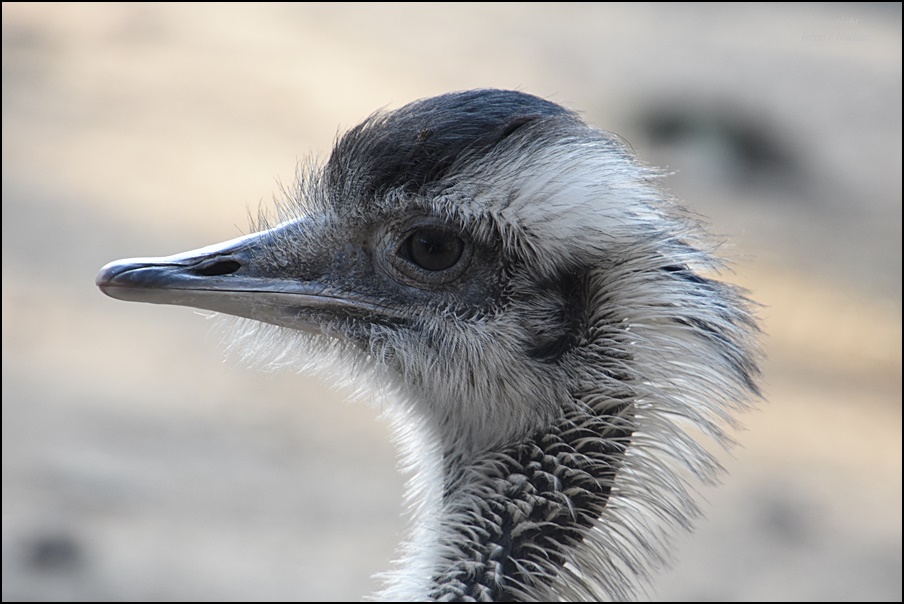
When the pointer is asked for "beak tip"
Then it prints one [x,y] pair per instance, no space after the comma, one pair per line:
[105,275]
[106,278]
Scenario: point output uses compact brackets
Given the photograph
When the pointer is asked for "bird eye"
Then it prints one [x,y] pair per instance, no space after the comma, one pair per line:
[434,249]
[427,253]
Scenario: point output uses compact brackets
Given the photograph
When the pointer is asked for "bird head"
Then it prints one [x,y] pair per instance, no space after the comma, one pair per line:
[488,255]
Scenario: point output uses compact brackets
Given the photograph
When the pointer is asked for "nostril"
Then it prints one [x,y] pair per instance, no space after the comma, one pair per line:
[215,268]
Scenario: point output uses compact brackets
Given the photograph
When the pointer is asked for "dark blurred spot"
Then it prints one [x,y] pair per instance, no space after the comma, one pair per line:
[787,522]
[53,553]
[741,148]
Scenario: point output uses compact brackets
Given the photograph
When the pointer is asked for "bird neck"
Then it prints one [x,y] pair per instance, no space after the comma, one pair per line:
[505,523]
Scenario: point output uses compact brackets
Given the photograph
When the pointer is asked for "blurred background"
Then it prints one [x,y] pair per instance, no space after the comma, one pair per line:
[137,465]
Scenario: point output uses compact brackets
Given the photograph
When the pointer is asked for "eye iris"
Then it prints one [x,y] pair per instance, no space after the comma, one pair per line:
[434,249]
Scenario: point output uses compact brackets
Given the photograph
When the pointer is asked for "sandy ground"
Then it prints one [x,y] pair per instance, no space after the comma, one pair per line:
[138,465]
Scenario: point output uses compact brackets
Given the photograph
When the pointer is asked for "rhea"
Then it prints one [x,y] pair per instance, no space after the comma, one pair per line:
[559,359]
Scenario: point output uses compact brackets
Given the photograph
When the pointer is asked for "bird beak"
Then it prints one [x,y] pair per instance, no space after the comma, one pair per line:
[230,278]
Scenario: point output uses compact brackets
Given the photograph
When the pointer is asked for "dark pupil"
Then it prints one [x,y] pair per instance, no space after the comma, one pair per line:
[435,249]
